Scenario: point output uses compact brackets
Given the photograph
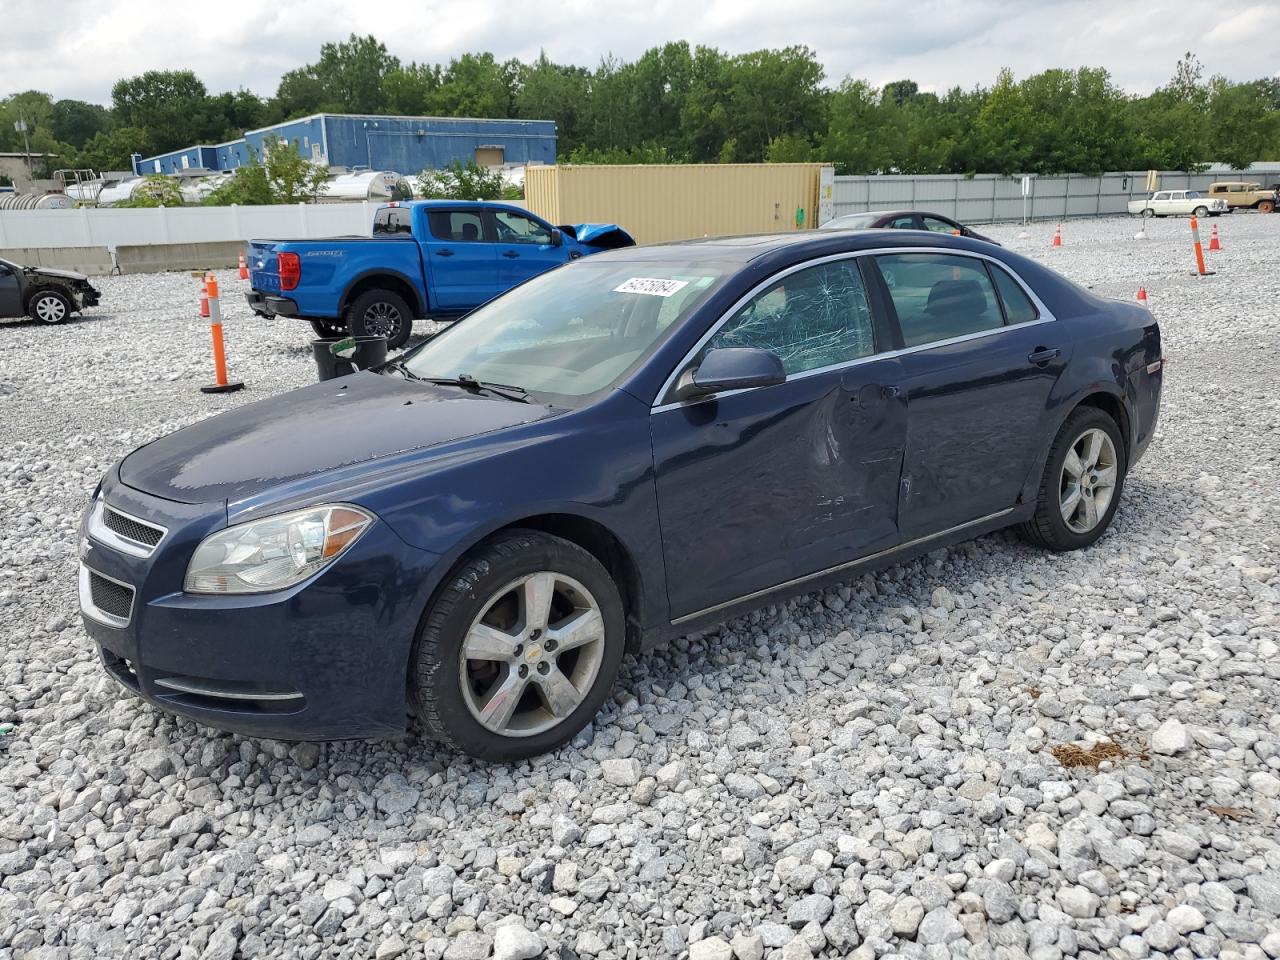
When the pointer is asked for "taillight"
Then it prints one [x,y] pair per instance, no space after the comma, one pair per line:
[290,269]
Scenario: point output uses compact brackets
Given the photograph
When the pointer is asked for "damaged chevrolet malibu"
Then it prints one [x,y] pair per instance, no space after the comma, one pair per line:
[625,449]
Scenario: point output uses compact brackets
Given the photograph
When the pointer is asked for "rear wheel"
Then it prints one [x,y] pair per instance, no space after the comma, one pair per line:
[1083,479]
[380,313]
[49,306]
[520,648]
[1148,213]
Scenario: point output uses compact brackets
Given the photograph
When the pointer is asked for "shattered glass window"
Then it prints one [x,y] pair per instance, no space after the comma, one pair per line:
[938,296]
[811,318]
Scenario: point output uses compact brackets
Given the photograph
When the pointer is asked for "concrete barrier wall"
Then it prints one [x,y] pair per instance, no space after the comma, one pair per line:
[159,257]
[95,261]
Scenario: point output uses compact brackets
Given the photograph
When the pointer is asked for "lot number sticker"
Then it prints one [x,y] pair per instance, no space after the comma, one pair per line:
[652,286]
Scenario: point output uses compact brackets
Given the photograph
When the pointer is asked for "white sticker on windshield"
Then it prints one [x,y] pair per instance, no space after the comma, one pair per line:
[652,286]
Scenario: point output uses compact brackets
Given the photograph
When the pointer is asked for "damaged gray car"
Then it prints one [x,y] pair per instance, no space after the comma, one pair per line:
[43,294]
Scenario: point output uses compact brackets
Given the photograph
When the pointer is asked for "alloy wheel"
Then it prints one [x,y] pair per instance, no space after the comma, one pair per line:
[532,655]
[1088,482]
[382,320]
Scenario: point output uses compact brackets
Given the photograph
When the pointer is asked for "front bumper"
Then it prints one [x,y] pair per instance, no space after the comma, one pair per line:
[89,296]
[324,660]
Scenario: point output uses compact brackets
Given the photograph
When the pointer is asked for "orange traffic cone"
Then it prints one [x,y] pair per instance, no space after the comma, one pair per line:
[1057,236]
[244,267]
[204,297]
[1213,241]
[1142,296]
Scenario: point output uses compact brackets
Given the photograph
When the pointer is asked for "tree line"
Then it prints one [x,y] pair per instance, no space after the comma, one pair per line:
[696,104]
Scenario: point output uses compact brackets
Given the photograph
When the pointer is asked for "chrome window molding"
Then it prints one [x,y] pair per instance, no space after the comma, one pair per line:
[847,565]
[1045,316]
[92,610]
[99,531]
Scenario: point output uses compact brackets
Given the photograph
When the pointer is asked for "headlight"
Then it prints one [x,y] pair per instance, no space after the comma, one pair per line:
[274,553]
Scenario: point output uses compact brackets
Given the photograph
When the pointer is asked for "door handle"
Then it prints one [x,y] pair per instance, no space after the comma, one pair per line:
[1042,355]
[510,254]
[889,393]
[444,253]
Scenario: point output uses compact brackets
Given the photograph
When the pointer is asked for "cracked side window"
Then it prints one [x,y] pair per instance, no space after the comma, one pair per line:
[811,318]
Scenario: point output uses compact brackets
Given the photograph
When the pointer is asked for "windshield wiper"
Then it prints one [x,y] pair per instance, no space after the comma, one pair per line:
[398,365]
[468,382]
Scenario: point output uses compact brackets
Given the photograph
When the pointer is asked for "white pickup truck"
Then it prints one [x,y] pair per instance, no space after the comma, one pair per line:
[1173,203]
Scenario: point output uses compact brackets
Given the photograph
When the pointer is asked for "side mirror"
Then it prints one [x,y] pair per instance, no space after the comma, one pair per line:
[731,368]
[557,237]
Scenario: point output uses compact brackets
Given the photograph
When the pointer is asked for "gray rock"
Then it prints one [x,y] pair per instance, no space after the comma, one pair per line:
[939,927]
[1170,737]
[712,948]
[512,941]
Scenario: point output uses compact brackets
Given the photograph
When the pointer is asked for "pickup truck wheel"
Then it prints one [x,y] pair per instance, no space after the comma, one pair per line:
[1148,213]
[519,649]
[329,328]
[380,313]
[1201,211]
[49,306]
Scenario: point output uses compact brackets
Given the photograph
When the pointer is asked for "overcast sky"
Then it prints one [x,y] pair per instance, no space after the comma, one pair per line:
[78,48]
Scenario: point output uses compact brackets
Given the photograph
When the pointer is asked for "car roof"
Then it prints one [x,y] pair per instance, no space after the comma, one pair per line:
[797,245]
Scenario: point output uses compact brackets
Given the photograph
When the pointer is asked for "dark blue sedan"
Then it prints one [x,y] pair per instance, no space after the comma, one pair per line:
[623,450]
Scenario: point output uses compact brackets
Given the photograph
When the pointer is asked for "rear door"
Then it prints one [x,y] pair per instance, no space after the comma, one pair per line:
[461,258]
[938,225]
[10,292]
[980,358]
[524,247]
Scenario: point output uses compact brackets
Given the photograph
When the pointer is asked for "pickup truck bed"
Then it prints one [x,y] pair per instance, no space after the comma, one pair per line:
[432,258]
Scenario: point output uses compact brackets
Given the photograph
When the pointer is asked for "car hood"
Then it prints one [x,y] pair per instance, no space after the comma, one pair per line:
[62,274]
[311,431]
[608,236]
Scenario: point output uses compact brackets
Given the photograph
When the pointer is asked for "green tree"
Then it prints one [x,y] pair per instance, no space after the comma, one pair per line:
[477,85]
[462,181]
[549,91]
[113,149]
[156,190]
[76,123]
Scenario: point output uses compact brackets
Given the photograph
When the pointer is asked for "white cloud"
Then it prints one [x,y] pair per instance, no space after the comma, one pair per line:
[78,48]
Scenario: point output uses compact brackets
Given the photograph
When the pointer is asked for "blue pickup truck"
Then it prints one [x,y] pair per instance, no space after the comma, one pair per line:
[427,258]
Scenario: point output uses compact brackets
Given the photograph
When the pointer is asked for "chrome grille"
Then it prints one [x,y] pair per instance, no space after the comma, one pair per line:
[131,529]
[114,599]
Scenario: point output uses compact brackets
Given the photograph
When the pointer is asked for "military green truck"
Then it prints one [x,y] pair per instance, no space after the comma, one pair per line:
[1245,194]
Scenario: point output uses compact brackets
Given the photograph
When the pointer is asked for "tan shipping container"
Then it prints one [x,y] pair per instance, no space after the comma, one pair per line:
[660,202]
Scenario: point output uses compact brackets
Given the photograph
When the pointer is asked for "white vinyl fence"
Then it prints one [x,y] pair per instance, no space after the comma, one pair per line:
[987,198]
[111,227]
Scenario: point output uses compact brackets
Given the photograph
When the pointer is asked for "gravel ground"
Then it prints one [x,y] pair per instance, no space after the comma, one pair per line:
[988,752]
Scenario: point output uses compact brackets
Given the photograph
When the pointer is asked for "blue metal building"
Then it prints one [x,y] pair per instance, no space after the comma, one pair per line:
[406,145]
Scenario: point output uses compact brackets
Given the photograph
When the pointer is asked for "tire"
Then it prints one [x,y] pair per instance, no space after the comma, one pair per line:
[1147,213]
[49,306]
[380,313]
[1051,526]
[482,609]
[1201,211]
[328,328]
[1266,206]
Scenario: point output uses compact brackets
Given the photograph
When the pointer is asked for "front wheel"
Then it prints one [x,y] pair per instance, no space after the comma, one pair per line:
[1082,482]
[1266,206]
[49,306]
[1201,211]
[520,648]
[380,313]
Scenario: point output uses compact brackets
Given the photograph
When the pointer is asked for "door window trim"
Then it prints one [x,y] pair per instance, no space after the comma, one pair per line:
[661,405]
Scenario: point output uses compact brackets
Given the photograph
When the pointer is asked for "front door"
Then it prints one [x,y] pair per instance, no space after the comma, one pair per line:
[980,362]
[760,487]
[10,292]
[524,247]
[461,259]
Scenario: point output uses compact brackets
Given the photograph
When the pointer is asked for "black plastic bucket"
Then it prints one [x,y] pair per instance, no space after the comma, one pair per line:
[368,352]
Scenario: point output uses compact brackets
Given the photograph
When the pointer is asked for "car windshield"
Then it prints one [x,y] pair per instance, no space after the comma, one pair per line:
[852,222]
[572,331]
